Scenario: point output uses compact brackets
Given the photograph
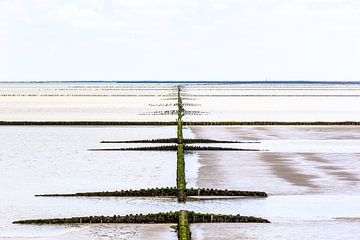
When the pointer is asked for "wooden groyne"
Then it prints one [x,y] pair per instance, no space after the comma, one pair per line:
[175,148]
[160,140]
[86,123]
[162,192]
[170,217]
[220,192]
[186,217]
[223,218]
[150,192]
[152,148]
[201,148]
[175,140]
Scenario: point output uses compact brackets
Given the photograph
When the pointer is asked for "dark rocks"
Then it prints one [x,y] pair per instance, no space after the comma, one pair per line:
[200,148]
[182,217]
[222,218]
[155,148]
[219,192]
[164,192]
[150,192]
[170,217]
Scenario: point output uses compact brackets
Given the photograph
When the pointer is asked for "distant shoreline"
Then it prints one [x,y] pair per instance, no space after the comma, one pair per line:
[188,82]
[153,123]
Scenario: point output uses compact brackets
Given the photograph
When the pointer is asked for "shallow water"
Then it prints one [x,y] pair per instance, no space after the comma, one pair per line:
[56,160]
[311,173]
[288,165]
[146,102]
[297,230]
[280,102]
[86,102]
[35,160]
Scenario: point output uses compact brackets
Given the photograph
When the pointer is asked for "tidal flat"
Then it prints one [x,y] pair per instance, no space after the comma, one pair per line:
[310,173]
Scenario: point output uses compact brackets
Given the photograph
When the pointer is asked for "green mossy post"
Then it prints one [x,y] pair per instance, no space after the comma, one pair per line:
[179,132]
[180,177]
[183,226]
[179,120]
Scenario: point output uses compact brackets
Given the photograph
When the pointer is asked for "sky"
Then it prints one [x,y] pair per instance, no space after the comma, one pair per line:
[44,40]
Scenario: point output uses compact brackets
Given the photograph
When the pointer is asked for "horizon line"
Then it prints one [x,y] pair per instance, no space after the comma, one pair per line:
[192,81]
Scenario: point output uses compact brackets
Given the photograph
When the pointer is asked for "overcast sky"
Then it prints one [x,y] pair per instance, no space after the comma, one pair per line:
[179,40]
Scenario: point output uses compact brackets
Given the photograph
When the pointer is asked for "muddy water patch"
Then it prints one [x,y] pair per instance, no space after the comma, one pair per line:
[343,166]
[240,171]
[282,166]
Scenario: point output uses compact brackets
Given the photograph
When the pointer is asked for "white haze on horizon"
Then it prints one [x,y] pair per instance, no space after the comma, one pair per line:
[44,40]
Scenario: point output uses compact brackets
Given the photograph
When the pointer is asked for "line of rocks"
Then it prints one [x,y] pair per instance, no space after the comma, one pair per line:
[175,140]
[162,192]
[174,148]
[154,218]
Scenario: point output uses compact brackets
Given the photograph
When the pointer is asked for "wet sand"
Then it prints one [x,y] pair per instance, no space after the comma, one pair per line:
[281,166]
[308,189]
[116,231]
[298,172]
[253,133]
[295,230]
[131,232]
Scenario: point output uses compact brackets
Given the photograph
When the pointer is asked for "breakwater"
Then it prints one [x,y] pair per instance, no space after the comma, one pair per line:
[175,148]
[153,218]
[162,192]
[175,140]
